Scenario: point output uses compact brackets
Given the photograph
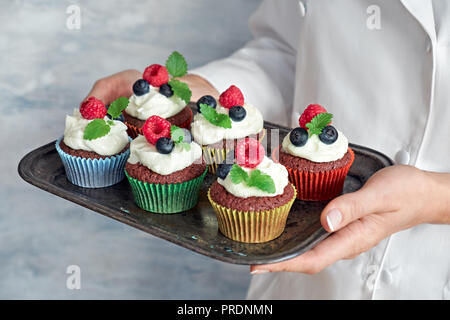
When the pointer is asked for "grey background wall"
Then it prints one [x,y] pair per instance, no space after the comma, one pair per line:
[45,70]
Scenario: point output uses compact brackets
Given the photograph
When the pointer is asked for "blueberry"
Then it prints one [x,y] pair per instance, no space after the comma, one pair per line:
[237,113]
[166,90]
[223,169]
[329,135]
[298,137]
[209,100]
[164,145]
[141,87]
[187,135]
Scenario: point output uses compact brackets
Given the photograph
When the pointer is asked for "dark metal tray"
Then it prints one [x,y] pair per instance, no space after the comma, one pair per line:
[197,228]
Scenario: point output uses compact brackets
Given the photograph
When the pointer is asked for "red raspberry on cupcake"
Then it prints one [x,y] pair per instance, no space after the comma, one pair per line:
[310,112]
[156,127]
[93,108]
[231,97]
[156,75]
[249,153]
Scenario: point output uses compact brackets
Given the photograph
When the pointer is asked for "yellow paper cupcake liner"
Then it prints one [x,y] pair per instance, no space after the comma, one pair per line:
[252,226]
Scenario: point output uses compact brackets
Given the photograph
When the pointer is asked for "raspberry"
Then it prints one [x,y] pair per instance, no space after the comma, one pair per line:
[231,97]
[310,112]
[93,108]
[156,127]
[249,153]
[156,75]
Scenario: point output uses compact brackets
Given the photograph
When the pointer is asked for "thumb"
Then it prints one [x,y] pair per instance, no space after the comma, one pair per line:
[349,207]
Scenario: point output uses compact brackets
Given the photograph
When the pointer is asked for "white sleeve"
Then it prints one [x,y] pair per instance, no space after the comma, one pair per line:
[264,69]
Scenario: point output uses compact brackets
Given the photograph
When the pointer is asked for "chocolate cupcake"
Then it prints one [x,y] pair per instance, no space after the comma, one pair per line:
[94,148]
[316,155]
[160,93]
[252,198]
[165,168]
[218,126]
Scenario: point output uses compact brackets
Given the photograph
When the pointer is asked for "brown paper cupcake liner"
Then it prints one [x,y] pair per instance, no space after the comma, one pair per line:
[318,186]
[252,226]
[215,156]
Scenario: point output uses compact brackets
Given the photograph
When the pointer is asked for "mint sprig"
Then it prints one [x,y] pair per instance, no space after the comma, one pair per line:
[256,179]
[177,135]
[320,121]
[176,64]
[215,118]
[181,90]
[98,128]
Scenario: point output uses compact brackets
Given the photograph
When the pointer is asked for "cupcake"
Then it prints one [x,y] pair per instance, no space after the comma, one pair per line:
[252,197]
[165,168]
[160,93]
[316,155]
[219,125]
[95,148]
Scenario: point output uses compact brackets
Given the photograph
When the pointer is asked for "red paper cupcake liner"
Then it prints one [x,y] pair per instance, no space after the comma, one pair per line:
[134,131]
[318,186]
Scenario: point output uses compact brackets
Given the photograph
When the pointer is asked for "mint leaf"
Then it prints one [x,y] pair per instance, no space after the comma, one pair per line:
[320,121]
[217,119]
[181,90]
[176,133]
[237,174]
[117,106]
[261,181]
[186,146]
[97,128]
[176,64]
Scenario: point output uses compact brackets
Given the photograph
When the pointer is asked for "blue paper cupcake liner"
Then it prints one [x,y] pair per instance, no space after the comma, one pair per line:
[93,173]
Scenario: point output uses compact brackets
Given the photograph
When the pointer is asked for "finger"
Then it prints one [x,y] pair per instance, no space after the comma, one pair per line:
[357,237]
[104,90]
[350,207]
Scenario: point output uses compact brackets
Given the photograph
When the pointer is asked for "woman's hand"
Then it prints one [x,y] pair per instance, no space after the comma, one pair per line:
[120,85]
[114,86]
[393,199]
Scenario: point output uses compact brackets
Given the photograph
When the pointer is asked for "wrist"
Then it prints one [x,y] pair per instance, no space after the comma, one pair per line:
[439,197]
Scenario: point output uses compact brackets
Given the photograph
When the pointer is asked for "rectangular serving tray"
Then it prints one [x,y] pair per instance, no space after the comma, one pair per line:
[197,228]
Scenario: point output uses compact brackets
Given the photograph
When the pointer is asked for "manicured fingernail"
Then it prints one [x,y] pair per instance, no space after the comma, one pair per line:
[258,272]
[334,218]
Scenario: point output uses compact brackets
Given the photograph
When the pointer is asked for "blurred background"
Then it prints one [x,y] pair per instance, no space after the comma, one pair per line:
[46,69]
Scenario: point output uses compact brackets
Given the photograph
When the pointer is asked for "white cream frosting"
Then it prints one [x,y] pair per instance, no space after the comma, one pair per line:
[317,151]
[108,145]
[276,171]
[206,133]
[154,103]
[141,151]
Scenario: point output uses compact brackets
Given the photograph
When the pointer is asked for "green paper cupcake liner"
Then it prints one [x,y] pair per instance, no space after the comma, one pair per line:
[166,198]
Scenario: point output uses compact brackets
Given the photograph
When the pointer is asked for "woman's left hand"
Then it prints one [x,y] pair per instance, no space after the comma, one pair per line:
[393,199]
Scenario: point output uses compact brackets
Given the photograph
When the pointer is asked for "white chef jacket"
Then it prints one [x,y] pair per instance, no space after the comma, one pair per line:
[382,67]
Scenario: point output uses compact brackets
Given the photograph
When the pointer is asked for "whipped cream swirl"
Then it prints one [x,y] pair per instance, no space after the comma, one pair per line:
[204,132]
[108,145]
[276,171]
[154,103]
[317,151]
[141,151]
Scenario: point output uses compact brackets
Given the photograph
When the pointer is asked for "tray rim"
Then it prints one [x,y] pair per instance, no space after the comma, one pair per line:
[83,200]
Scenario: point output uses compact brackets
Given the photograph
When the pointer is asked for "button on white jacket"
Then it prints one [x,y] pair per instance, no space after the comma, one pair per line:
[382,67]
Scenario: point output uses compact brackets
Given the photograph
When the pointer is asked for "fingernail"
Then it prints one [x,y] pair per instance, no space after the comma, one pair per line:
[334,218]
[258,272]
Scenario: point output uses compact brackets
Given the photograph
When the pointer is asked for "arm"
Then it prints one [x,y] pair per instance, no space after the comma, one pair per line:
[264,69]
